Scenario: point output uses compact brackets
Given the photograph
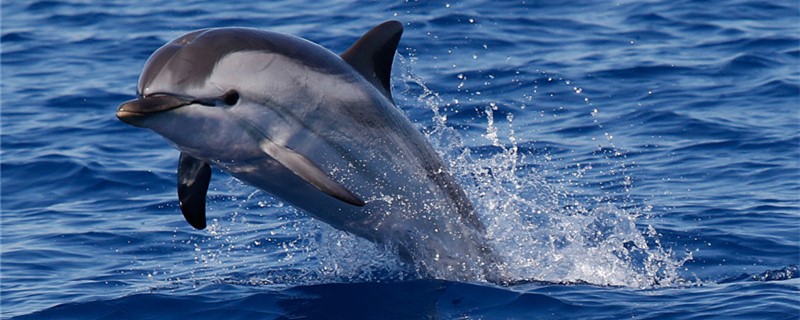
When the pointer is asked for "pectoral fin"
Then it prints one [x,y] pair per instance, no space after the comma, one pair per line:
[310,172]
[193,178]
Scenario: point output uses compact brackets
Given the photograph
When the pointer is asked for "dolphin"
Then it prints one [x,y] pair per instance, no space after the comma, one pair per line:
[315,129]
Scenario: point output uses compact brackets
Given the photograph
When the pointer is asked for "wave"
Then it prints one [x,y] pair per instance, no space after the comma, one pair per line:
[435,299]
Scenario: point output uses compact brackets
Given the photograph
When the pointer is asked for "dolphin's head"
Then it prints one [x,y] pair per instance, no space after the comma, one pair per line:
[196,83]
[214,67]
[179,75]
[189,88]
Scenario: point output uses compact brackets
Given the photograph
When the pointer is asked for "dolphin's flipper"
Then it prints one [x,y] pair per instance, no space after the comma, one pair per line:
[373,53]
[193,178]
[308,171]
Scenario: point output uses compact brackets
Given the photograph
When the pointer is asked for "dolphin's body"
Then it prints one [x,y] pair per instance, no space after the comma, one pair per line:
[317,130]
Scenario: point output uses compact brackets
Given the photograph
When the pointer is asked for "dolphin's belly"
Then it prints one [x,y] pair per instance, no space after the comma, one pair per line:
[273,178]
[406,212]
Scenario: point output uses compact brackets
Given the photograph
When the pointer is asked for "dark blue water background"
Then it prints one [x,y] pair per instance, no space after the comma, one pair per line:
[641,159]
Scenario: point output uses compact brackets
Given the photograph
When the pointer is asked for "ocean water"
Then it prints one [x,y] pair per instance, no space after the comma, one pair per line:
[631,159]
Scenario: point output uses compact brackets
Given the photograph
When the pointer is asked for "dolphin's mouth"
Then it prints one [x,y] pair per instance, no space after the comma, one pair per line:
[131,112]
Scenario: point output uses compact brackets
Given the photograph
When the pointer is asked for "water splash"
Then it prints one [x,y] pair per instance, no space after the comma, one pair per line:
[544,229]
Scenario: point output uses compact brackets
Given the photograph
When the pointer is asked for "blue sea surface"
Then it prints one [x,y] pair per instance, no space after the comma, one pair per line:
[631,159]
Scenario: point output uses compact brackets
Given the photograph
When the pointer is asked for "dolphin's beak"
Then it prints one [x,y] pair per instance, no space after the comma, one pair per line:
[132,112]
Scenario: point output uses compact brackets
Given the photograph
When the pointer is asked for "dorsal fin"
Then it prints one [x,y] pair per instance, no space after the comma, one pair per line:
[373,53]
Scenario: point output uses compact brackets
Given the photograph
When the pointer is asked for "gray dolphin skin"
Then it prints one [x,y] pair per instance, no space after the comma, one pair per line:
[315,129]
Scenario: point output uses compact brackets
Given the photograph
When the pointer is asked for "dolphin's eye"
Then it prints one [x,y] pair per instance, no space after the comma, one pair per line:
[231,97]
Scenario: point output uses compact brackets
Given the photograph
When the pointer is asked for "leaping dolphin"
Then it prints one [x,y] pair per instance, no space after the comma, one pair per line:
[313,128]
